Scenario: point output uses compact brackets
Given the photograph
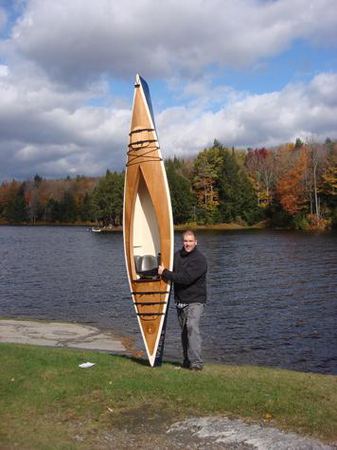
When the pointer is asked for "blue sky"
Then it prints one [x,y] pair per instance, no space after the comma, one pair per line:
[248,73]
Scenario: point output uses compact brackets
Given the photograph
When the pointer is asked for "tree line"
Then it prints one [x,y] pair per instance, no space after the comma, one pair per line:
[293,185]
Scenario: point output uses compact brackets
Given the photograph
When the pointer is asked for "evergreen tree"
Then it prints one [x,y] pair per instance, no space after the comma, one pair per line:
[15,211]
[238,201]
[85,209]
[68,208]
[53,211]
[37,180]
[108,198]
[205,183]
[223,189]
[182,198]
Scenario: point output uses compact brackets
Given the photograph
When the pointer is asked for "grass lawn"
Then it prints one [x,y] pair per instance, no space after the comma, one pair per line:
[48,402]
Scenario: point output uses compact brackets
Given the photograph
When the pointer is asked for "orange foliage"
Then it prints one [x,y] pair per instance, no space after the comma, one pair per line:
[317,223]
[291,186]
[8,190]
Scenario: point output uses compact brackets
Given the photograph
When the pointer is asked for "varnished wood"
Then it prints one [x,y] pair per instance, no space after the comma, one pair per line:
[147,204]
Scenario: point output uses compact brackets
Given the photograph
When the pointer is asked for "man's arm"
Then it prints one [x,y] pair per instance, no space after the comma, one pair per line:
[187,275]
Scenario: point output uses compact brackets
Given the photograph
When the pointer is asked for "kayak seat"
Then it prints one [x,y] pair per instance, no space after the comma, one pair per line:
[146,265]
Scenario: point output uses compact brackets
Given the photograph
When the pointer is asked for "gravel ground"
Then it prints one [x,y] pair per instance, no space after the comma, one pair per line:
[221,432]
[213,433]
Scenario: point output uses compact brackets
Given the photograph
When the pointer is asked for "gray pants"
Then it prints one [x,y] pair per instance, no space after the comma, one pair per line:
[189,320]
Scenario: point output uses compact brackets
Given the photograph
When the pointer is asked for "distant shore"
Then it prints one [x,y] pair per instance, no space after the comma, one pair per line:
[263,225]
[180,227]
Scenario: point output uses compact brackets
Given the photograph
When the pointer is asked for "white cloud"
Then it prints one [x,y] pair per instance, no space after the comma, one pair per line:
[71,138]
[75,41]
[61,63]
[55,141]
[3,71]
[48,129]
[301,110]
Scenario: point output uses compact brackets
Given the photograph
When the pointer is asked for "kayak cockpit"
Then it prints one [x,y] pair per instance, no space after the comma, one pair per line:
[145,234]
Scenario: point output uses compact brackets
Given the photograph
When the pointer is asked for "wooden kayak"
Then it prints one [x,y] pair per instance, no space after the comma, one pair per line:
[147,222]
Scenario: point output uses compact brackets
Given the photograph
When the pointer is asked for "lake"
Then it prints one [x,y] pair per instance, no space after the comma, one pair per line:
[272,294]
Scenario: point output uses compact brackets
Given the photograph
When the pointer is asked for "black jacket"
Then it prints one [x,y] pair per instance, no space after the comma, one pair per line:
[189,276]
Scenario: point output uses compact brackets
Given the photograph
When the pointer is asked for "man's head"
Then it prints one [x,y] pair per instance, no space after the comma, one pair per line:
[189,240]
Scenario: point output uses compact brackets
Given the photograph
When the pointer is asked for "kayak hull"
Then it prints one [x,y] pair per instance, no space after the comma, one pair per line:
[147,222]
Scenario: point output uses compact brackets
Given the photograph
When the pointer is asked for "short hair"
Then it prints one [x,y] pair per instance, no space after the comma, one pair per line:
[191,233]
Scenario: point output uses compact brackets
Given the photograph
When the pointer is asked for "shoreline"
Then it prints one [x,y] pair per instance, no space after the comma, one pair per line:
[93,337]
[119,228]
[180,227]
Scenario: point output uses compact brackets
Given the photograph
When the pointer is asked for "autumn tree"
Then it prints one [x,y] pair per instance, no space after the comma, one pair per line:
[291,186]
[260,164]
[41,200]
[33,198]
[328,185]
[289,183]
[317,162]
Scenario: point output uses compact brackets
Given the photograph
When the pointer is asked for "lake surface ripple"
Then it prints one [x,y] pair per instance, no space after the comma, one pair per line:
[272,294]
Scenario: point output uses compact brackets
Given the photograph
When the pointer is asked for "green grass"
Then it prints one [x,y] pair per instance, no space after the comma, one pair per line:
[48,402]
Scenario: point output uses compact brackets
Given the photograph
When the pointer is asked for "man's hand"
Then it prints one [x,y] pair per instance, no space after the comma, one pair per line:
[161,269]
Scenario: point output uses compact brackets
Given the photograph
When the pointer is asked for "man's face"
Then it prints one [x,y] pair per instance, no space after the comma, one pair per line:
[189,242]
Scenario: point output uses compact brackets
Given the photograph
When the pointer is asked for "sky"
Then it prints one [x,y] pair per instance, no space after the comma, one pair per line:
[249,73]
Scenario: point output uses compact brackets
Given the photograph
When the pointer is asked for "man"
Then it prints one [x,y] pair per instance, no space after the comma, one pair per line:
[190,294]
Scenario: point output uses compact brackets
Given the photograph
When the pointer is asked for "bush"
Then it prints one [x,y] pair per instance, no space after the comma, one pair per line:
[301,222]
[318,223]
